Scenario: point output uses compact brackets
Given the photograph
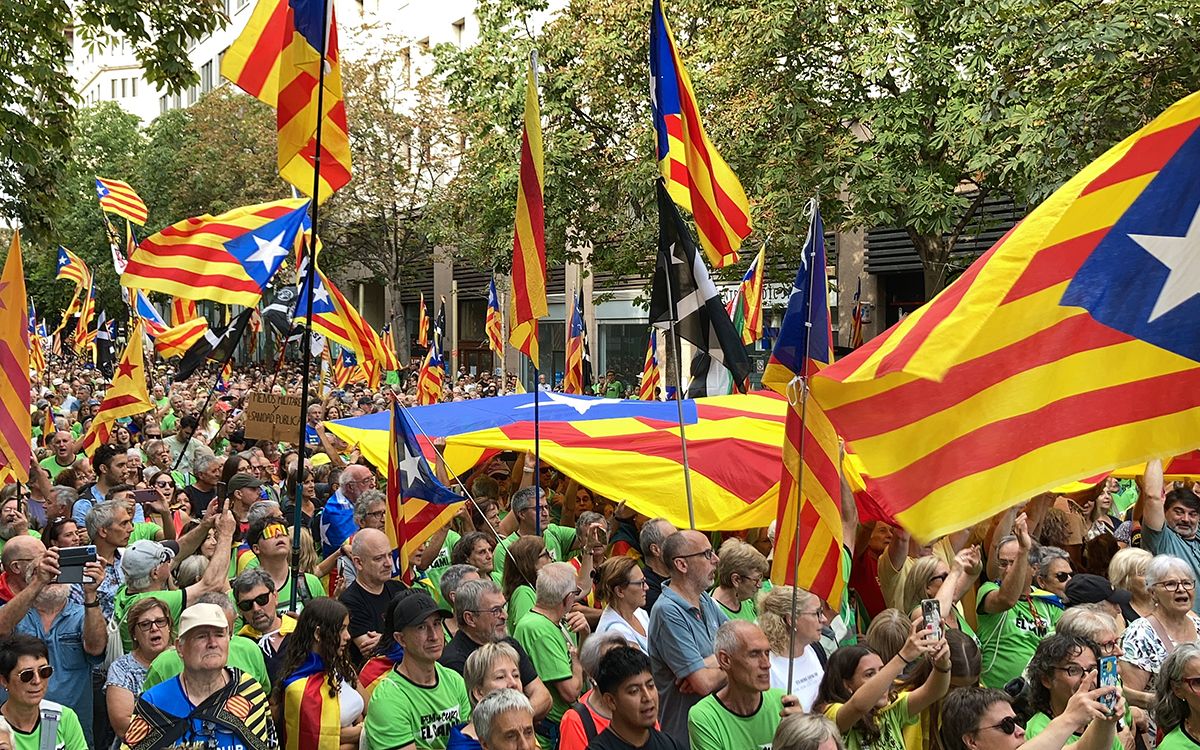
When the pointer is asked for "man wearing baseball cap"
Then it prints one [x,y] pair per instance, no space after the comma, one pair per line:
[419,700]
[243,490]
[147,568]
[1085,588]
[209,704]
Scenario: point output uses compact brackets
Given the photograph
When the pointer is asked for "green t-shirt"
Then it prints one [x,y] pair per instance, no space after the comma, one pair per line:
[558,541]
[523,599]
[33,533]
[402,712]
[168,423]
[50,464]
[1038,722]
[70,733]
[440,564]
[745,611]
[892,719]
[712,726]
[145,530]
[1177,739]
[1008,639]
[243,654]
[123,600]
[546,645]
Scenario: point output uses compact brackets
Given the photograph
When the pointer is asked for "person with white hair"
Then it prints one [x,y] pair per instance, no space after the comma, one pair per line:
[1148,640]
[504,721]
[807,732]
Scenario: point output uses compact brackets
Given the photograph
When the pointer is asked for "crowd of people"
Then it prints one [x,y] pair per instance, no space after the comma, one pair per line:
[151,596]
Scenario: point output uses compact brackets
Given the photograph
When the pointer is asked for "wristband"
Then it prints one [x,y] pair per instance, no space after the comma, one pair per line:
[91,605]
[908,663]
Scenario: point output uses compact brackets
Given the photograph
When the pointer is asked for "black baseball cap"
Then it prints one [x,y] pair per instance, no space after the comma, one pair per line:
[1086,588]
[412,607]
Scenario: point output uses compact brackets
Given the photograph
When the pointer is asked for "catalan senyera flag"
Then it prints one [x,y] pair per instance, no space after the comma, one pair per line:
[118,198]
[1067,350]
[422,323]
[573,377]
[810,481]
[651,376]
[227,258]
[126,396]
[277,59]
[431,376]
[72,268]
[175,341]
[748,305]
[418,504]
[697,178]
[312,717]
[528,301]
[16,424]
[494,323]
[84,333]
[183,310]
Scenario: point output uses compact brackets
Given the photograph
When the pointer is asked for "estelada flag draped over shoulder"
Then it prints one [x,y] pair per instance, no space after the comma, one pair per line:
[528,298]
[696,176]
[15,422]
[810,483]
[277,59]
[1067,350]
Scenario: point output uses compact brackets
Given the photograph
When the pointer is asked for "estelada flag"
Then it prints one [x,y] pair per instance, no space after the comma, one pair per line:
[1067,350]
[696,176]
[126,396]
[119,198]
[72,268]
[277,59]
[16,424]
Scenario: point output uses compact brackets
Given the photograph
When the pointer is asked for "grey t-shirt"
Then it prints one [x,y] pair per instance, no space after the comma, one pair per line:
[681,637]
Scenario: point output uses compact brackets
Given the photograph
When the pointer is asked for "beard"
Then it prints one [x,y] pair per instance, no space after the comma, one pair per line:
[16,528]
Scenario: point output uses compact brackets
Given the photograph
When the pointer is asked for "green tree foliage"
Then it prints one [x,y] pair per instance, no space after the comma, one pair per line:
[37,104]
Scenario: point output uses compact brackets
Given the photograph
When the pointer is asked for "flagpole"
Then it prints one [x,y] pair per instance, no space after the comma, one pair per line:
[803,396]
[310,251]
[687,471]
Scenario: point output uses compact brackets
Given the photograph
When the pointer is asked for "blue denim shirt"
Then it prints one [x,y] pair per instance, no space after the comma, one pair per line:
[71,684]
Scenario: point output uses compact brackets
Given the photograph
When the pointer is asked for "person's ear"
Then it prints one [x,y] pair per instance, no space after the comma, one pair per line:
[609,702]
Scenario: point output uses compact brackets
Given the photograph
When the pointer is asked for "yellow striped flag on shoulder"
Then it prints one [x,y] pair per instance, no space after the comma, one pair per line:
[16,424]
[277,59]
[1067,350]
[118,198]
[696,176]
[529,236]
[810,483]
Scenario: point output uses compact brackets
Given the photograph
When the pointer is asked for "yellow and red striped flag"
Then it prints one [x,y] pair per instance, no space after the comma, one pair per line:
[1067,350]
[276,59]
[422,323]
[529,236]
[651,376]
[810,483]
[430,377]
[335,317]
[183,311]
[312,718]
[494,323]
[126,396]
[696,176]
[72,268]
[573,377]
[747,307]
[16,424]
[118,198]
[391,362]
[84,333]
[175,341]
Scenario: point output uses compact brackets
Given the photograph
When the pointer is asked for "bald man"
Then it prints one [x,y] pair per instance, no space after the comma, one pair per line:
[372,591]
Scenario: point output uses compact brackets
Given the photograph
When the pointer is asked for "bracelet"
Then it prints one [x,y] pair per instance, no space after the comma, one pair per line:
[527,470]
[908,663]
[92,604]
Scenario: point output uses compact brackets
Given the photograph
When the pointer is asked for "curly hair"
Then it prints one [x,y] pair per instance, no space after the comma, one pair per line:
[1051,652]
[1055,531]
[319,631]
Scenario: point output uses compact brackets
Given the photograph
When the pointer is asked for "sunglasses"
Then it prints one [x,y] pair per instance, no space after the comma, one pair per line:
[941,577]
[261,600]
[1008,725]
[274,530]
[164,484]
[1063,576]
[44,671]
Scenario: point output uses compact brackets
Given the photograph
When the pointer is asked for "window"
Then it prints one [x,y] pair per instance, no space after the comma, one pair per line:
[178,101]
[113,83]
[406,65]
[133,87]
[164,104]
[124,87]
[206,77]
[457,34]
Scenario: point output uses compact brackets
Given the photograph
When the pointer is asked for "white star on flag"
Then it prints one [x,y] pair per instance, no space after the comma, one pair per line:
[1181,256]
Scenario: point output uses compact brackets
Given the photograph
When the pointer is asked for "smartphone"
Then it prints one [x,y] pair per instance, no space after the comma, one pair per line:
[1108,678]
[146,496]
[71,561]
[221,495]
[931,612]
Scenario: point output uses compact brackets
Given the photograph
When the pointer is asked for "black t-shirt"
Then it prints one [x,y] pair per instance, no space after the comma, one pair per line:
[367,610]
[654,584]
[454,656]
[199,499]
[606,740]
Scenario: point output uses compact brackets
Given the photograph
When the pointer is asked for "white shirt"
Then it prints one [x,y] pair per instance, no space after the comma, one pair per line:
[611,622]
[351,703]
[806,676]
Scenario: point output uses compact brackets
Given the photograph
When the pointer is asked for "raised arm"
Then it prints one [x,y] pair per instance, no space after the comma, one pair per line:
[873,690]
[1016,579]
[849,509]
[1154,514]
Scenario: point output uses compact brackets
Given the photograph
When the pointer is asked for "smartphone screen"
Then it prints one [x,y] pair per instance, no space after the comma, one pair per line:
[931,612]
[1108,678]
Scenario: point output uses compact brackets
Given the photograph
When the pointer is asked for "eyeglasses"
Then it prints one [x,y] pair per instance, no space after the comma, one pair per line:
[1109,648]
[1008,725]
[261,600]
[640,582]
[1193,683]
[1063,576]
[708,554]
[167,483]
[498,611]
[375,514]
[146,626]
[44,672]
[1074,671]
[1177,585]
[817,613]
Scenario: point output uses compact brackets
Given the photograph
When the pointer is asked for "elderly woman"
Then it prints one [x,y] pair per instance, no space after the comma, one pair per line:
[491,667]
[1177,697]
[150,624]
[794,641]
[1127,570]
[1051,571]
[740,573]
[1061,664]
[1095,624]
[1148,640]
[589,716]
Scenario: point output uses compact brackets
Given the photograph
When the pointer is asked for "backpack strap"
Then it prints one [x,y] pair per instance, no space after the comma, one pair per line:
[585,718]
[820,652]
[48,736]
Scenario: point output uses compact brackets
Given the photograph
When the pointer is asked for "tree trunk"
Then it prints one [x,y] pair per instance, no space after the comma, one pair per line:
[934,251]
